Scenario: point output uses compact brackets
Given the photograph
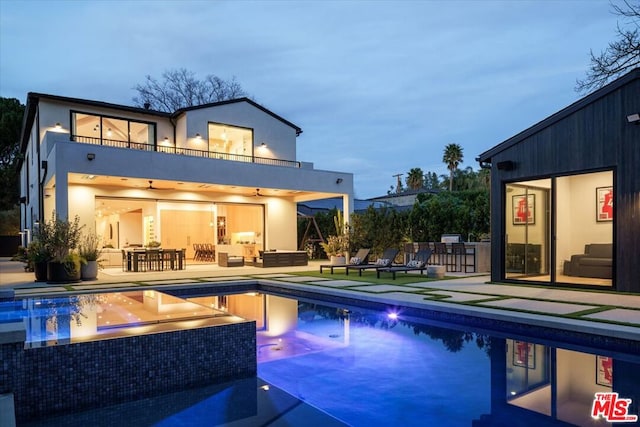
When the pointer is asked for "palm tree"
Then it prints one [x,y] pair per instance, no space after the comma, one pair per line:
[452,158]
[415,179]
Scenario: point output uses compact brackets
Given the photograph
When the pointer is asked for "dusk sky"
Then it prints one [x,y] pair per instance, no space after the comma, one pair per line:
[378,87]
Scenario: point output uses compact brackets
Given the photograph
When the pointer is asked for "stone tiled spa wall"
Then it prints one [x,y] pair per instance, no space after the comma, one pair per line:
[67,378]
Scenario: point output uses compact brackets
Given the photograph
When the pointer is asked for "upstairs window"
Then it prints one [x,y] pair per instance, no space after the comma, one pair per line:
[106,130]
[231,142]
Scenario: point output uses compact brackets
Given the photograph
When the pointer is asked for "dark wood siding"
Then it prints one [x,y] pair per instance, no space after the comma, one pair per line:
[592,136]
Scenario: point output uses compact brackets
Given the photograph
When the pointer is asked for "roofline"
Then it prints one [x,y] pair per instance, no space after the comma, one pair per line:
[560,115]
[236,100]
[33,99]
[100,104]
[406,193]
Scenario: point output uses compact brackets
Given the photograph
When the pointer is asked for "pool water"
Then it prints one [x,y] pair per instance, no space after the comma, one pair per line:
[388,373]
[351,366]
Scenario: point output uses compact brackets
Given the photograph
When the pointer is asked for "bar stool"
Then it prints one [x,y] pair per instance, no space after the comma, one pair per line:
[423,246]
[459,255]
[441,254]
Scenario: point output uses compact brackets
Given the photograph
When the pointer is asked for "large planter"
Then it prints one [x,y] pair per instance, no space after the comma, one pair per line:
[40,270]
[63,272]
[338,260]
[89,271]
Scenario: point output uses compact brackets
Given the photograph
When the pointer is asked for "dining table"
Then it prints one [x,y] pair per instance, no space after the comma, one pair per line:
[159,259]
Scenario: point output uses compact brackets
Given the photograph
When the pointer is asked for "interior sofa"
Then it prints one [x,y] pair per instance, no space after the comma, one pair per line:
[597,261]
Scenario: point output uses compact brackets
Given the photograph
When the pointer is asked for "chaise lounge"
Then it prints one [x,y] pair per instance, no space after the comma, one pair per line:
[386,261]
[597,261]
[361,258]
[418,263]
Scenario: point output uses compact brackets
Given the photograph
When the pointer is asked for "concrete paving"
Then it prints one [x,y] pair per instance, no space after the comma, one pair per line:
[599,312]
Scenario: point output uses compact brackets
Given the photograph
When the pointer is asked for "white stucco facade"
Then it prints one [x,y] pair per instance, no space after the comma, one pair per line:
[74,174]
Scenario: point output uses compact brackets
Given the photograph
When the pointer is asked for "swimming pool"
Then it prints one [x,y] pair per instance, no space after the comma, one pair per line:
[358,366]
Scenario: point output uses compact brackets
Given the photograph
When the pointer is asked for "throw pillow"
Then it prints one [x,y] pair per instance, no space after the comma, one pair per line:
[354,260]
[383,262]
[414,263]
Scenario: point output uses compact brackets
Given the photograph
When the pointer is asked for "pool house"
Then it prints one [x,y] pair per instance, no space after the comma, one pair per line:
[566,195]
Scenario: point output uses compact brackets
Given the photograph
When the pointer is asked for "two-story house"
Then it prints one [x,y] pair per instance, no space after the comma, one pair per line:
[224,173]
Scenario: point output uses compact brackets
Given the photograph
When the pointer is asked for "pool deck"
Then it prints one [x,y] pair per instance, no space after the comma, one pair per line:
[597,312]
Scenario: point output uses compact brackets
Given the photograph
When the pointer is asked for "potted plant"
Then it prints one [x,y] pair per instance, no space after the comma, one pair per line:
[62,239]
[38,252]
[37,258]
[337,246]
[89,251]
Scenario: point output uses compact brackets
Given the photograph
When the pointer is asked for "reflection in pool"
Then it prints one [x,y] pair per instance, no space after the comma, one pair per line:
[370,368]
[89,317]
[382,368]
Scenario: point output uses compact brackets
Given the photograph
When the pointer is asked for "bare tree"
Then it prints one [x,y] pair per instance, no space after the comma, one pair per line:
[622,54]
[180,88]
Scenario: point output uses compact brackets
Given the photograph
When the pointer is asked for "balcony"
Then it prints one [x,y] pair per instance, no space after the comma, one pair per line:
[185,151]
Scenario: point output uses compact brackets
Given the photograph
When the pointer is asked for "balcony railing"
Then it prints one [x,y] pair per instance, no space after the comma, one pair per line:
[185,151]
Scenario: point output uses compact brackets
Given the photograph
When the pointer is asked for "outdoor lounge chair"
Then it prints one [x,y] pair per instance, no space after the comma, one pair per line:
[418,263]
[386,261]
[361,257]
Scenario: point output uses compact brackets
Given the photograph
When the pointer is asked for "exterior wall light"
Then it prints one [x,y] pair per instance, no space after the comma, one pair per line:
[634,118]
[198,136]
[58,126]
[339,181]
[263,145]
[91,156]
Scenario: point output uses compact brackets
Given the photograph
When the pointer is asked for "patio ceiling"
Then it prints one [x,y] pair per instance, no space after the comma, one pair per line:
[159,186]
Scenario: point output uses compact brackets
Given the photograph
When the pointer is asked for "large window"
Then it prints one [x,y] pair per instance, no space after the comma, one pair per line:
[231,142]
[578,246]
[234,228]
[105,130]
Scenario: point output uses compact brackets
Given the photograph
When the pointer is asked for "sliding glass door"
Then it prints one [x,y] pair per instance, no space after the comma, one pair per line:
[584,228]
[527,226]
[582,206]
